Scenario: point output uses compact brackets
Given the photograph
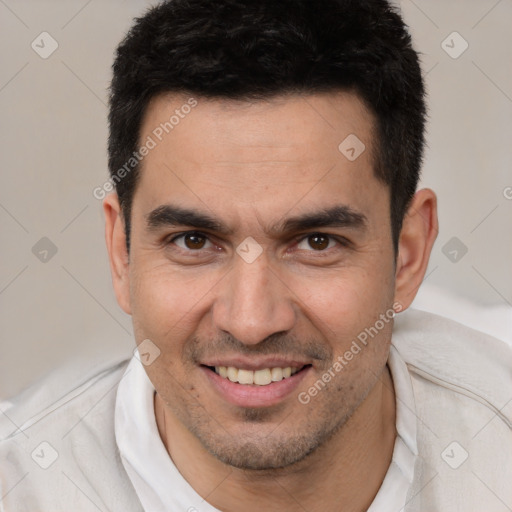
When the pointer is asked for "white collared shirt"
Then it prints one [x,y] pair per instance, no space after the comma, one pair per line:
[161,487]
[95,445]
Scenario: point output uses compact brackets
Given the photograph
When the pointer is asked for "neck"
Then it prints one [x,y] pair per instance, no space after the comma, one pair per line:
[348,469]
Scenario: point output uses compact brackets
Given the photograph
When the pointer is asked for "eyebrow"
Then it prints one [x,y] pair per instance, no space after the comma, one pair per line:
[339,216]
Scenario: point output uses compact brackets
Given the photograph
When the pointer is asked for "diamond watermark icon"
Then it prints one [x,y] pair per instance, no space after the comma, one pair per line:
[454,249]
[146,352]
[352,147]
[454,455]
[44,455]
[249,250]
[44,45]
[44,250]
[454,45]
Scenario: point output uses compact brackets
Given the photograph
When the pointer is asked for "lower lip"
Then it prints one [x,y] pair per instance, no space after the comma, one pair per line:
[251,395]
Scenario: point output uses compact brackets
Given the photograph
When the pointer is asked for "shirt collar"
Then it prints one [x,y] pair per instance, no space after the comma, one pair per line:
[159,484]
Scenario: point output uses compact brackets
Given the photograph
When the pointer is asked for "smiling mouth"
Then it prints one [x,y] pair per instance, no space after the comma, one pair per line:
[262,377]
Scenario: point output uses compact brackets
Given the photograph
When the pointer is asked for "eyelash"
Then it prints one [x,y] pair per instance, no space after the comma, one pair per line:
[340,240]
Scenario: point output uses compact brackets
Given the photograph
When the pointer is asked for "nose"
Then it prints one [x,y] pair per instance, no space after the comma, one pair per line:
[253,302]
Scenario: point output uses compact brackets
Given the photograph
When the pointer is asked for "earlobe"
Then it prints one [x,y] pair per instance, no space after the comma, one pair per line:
[419,232]
[115,238]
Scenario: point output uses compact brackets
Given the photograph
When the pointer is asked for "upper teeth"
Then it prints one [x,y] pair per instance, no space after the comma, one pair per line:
[258,377]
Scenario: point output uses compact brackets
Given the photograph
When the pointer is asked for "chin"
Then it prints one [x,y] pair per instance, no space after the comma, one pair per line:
[268,452]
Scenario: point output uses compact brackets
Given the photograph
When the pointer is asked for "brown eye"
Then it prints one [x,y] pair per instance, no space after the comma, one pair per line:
[191,241]
[318,242]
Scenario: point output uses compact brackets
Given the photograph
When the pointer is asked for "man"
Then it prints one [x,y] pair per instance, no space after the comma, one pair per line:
[266,237]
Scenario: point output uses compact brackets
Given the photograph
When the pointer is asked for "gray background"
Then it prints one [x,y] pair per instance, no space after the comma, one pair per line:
[53,142]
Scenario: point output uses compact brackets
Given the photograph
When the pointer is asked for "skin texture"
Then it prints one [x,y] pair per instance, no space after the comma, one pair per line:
[252,166]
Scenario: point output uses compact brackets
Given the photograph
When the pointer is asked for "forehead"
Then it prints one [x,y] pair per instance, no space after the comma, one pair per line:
[287,151]
[286,122]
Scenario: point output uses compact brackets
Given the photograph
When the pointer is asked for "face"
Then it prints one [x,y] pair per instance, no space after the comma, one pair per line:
[257,245]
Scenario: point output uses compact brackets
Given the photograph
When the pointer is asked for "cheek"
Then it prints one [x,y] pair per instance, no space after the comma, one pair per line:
[344,301]
[166,303]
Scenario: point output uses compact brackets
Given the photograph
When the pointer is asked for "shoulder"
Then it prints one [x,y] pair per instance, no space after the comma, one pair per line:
[456,357]
[67,391]
[461,381]
[57,448]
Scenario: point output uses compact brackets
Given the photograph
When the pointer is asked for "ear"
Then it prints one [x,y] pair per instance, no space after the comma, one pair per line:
[115,238]
[419,232]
